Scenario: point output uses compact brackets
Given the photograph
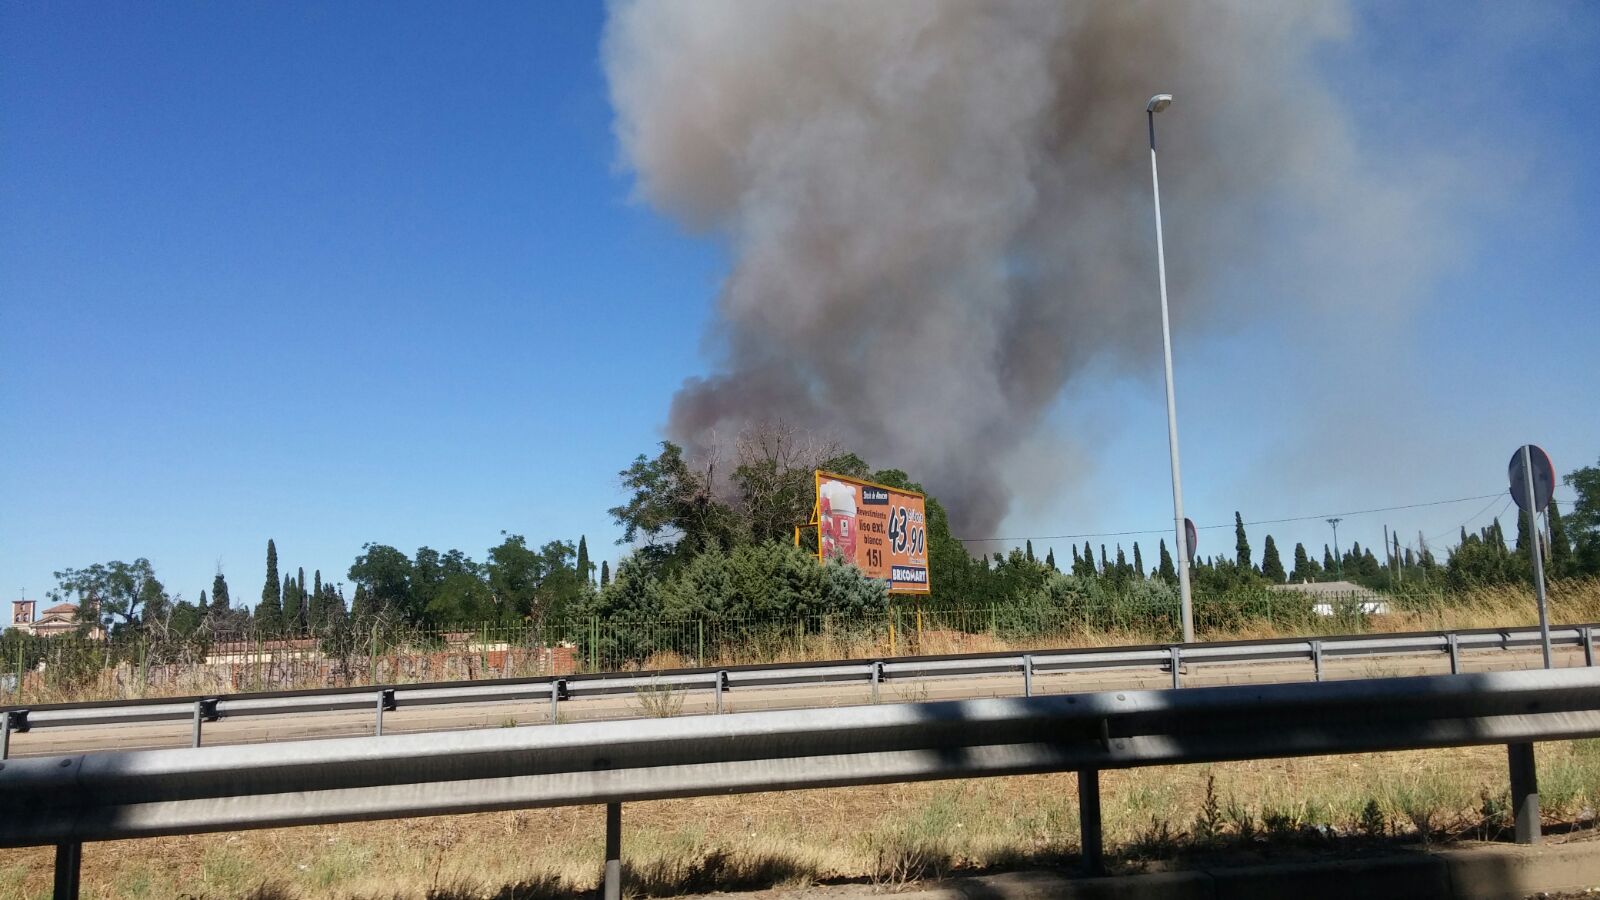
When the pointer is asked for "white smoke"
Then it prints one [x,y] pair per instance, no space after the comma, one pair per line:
[940,211]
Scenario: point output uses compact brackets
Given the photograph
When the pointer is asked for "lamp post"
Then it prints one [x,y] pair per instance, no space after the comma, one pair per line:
[1158,103]
[1337,559]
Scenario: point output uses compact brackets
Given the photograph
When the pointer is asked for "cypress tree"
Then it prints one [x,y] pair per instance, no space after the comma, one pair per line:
[1105,561]
[1138,562]
[288,623]
[1302,564]
[317,612]
[1050,559]
[1271,565]
[201,606]
[270,612]
[361,610]
[1328,565]
[1165,570]
[605,572]
[1029,553]
[1560,547]
[219,593]
[302,613]
[1241,544]
[1122,571]
[583,558]
[1088,559]
[334,619]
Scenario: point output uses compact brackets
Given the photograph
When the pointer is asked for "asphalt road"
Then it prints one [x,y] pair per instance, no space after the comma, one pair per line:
[257,729]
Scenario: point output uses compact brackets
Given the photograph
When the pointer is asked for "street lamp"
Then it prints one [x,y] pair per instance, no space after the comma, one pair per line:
[1158,103]
[1337,559]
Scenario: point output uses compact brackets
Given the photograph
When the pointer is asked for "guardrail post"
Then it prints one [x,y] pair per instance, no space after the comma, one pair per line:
[717,687]
[1588,646]
[5,733]
[876,677]
[1524,792]
[1177,667]
[1316,659]
[1027,675]
[68,858]
[1455,653]
[557,688]
[385,702]
[1089,833]
[613,878]
[205,710]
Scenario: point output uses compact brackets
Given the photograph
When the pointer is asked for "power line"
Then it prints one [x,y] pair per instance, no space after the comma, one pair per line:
[1357,512]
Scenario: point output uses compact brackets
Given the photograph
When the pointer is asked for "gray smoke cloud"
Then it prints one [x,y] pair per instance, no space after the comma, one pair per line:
[939,212]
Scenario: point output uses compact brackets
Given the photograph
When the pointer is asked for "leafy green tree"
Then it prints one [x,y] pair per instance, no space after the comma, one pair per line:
[673,509]
[362,607]
[1585,516]
[120,595]
[386,574]
[1271,565]
[1165,570]
[269,615]
[1240,543]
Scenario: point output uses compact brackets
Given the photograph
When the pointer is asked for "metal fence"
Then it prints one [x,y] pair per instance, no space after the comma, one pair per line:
[68,667]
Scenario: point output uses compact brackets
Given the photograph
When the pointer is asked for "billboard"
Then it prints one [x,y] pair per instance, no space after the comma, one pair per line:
[883,530]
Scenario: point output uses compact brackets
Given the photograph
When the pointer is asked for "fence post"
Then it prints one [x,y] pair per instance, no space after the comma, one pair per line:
[613,880]
[1524,792]
[1089,833]
[68,858]
[700,655]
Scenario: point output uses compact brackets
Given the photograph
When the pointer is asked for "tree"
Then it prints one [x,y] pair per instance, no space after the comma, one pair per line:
[289,624]
[1240,543]
[1050,557]
[1165,570]
[605,573]
[1328,565]
[201,605]
[220,603]
[584,566]
[1560,547]
[1271,565]
[118,594]
[673,509]
[1122,570]
[1105,562]
[269,614]
[1138,562]
[1029,554]
[1302,565]
[386,574]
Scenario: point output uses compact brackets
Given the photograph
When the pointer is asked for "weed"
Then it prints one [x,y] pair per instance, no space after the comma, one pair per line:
[1208,824]
[662,701]
[1373,823]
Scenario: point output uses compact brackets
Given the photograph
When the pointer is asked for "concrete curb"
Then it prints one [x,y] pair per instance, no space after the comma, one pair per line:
[1475,872]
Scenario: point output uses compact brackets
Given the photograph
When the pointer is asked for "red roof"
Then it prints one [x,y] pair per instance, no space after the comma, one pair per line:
[61,608]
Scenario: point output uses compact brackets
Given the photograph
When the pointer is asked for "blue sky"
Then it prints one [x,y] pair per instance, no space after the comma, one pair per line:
[338,273]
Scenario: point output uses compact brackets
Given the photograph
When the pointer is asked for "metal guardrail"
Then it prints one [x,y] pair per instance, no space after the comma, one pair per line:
[1171,658]
[69,800]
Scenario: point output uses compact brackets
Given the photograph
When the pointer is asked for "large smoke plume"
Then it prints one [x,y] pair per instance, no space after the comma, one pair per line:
[940,211]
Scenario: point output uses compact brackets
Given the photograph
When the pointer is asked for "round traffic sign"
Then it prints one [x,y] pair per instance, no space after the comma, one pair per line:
[1193,536]
[1544,478]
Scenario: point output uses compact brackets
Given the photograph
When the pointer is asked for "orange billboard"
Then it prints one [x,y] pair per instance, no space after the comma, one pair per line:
[883,530]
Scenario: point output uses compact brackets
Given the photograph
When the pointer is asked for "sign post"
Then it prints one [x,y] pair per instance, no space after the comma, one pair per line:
[1533,481]
[883,530]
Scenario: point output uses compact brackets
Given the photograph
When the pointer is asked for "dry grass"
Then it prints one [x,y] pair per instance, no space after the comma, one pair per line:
[888,835]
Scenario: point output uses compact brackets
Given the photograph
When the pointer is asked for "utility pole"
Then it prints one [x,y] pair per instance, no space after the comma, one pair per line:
[1337,559]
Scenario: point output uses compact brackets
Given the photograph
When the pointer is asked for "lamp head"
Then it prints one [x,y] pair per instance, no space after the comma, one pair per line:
[1158,103]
